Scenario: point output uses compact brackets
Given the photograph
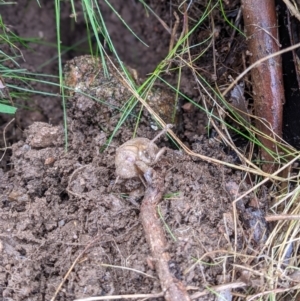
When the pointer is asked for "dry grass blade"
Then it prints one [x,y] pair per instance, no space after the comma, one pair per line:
[256,64]
[293,10]
[4,139]
[118,297]
[184,147]
[286,217]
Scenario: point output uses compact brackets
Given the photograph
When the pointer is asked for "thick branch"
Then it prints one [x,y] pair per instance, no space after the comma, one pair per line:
[268,93]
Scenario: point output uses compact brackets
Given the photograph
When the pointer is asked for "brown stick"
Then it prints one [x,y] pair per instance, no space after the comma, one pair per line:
[268,92]
[172,287]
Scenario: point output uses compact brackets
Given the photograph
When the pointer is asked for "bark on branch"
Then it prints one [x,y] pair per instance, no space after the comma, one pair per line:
[172,287]
[268,93]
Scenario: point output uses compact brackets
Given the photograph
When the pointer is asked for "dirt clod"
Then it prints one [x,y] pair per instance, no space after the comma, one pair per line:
[41,135]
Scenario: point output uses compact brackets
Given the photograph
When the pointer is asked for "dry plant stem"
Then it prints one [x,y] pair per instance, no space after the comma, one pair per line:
[255,64]
[174,30]
[273,292]
[219,288]
[118,297]
[282,217]
[4,139]
[195,296]
[172,287]
[293,10]
[268,94]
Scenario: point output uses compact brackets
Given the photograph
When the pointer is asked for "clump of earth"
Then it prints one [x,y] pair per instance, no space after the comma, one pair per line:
[58,205]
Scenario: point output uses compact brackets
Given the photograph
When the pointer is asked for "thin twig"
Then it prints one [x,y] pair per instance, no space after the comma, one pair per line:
[172,287]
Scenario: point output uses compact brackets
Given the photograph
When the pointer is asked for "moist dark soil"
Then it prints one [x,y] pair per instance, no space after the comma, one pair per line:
[60,207]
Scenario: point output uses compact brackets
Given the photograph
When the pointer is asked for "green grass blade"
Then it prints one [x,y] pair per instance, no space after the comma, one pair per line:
[7,109]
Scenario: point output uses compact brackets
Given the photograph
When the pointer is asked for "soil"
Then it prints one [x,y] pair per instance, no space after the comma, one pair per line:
[59,207]
[55,203]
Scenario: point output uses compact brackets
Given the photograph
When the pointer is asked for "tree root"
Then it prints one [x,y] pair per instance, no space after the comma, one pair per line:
[172,287]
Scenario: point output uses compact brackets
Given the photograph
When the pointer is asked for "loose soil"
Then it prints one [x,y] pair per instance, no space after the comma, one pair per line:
[56,203]
[59,206]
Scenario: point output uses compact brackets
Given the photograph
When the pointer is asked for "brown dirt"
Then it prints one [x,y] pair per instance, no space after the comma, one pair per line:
[56,203]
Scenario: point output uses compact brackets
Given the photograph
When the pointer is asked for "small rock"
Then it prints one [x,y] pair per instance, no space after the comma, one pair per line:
[18,196]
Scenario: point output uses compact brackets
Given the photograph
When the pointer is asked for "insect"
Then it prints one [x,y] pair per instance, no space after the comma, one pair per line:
[134,157]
